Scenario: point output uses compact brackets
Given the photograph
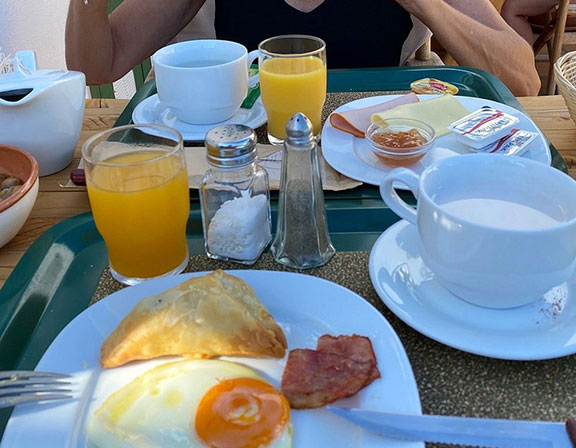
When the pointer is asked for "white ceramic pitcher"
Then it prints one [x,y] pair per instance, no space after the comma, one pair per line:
[41,111]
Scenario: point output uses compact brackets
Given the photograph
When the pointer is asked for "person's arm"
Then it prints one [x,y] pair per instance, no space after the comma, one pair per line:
[107,47]
[473,32]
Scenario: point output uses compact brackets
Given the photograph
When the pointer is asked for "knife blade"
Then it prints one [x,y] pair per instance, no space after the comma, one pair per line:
[460,430]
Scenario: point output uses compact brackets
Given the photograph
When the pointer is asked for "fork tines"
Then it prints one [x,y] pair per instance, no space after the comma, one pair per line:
[18,387]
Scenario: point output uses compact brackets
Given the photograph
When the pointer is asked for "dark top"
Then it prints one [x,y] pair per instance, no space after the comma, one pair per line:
[358,33]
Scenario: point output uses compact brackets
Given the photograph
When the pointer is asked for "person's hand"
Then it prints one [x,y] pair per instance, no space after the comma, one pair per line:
[304,5]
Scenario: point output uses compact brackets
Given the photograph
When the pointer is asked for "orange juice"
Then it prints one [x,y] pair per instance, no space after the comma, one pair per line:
[141,211]
[290,85]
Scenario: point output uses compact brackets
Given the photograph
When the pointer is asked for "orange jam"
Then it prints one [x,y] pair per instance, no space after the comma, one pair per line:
[400,139]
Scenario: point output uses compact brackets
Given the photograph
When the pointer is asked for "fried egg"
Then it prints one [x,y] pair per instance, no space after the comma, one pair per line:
[194,403]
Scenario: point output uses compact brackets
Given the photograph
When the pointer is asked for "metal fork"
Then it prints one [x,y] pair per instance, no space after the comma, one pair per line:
[21,386]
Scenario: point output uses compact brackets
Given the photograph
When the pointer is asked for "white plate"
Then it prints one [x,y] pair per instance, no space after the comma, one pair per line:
[353,157]
[541,330]
[151,110]
[306,307]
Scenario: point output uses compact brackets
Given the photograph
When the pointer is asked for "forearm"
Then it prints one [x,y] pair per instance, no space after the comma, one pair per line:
[89,42]
[481,39]
[106,47]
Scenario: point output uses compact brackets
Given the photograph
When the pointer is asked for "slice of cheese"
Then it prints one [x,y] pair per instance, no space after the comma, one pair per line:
[438,113]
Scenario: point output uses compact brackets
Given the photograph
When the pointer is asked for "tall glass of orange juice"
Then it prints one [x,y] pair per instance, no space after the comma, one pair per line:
[292,79]
[138,190]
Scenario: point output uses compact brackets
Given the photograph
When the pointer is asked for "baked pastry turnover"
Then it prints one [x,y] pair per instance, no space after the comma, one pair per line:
[213,315]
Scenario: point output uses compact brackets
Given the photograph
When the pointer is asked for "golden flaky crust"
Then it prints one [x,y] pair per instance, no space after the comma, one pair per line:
[213,315]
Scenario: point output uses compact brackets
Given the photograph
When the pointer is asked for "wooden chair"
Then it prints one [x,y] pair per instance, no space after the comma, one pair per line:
[424,56]
[553,32]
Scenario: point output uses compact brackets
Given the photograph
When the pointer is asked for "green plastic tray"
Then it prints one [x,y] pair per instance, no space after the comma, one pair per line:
[56,277]
[470,82]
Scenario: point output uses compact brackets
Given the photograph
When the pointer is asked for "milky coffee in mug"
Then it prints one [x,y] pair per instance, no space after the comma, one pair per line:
[497,231]
[203,81]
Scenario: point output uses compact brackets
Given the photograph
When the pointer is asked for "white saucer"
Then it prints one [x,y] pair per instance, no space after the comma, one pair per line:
[151,110]
[541,330]
[353,157]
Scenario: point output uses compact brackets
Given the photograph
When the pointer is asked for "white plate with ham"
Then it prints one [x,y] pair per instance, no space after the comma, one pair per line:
[352,156]
[305,307]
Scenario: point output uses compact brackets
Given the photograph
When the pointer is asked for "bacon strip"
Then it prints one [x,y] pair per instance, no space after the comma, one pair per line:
[358,348]
[313,379]
[356,121]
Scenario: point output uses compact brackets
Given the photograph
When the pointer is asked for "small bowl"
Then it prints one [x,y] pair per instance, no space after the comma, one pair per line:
[401,148]
[14,210]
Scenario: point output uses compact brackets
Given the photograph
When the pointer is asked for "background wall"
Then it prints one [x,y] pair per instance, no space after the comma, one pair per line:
[35,25]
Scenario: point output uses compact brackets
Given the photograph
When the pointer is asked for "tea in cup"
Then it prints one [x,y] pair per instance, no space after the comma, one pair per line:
[203,81]
[497,231]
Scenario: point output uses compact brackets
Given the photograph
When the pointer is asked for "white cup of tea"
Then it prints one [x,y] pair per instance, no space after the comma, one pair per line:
[203,81]
[497,231]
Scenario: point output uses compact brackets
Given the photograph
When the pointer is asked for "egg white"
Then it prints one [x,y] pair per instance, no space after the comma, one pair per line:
[158,409]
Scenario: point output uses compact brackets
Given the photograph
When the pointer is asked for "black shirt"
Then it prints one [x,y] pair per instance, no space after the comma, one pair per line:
[358,33]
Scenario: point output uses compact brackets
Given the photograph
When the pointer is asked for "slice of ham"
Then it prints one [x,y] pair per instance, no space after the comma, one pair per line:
[313,379]
[356,121]
[358,348]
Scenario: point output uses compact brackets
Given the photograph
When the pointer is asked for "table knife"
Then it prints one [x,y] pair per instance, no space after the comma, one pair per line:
[461,430]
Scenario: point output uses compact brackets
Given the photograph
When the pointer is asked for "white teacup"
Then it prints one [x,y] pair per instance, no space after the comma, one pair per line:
[497,231]
[203,81]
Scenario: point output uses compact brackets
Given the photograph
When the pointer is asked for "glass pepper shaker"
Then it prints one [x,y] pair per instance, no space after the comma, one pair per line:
[235,197]
[302,240]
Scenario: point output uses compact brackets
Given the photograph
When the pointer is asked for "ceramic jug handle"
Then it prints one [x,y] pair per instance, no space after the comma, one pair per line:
[254,79]
[390,196]
[27,58]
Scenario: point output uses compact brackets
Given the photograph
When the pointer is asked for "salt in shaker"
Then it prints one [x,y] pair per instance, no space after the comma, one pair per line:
[302,240]
[234,196]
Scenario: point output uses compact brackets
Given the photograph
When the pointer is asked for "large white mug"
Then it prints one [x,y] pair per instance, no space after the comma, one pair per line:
[203,81]
[497,231]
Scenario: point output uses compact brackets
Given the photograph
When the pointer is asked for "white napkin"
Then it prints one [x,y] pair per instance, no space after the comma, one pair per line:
[271,160]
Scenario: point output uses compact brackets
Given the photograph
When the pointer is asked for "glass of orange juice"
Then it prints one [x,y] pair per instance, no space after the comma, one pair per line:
[138,190]
[292,79]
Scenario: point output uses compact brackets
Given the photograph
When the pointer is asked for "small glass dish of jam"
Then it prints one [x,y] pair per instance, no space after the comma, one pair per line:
[400,141]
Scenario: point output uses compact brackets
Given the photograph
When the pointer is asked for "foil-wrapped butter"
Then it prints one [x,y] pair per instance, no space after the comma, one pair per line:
[483,126]
[515,143]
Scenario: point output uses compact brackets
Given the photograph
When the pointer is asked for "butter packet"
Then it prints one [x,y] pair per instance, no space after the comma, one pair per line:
[433,85]
[515,143]
[483,126]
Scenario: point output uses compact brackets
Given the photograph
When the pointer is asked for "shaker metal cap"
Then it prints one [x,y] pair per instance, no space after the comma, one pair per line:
[299,130]
[231,145]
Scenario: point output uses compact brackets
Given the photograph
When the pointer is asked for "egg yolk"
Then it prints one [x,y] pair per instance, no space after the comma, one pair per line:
[241,413]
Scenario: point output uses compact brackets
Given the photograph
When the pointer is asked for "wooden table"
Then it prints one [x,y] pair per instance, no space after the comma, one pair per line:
[56,203]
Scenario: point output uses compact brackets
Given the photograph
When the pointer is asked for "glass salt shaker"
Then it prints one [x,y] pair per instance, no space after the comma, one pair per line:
[235,197]
[302,240]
